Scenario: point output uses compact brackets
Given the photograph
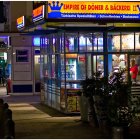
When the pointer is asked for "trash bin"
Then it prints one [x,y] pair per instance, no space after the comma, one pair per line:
[83,102]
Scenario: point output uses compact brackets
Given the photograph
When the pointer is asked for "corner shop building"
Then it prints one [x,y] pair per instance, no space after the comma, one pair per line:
[81,38]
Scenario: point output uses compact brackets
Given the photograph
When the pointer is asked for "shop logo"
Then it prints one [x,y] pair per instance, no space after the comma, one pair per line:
[55,6]
[20,22]
[55,9]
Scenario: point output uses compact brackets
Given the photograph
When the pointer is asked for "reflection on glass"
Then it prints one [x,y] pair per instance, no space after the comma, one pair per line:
[89,42]
[45,66]
[83,41]
[116,62]
[98,42]
[81,73]
[137,41]
[89,70]
[41,67]
[98,64]
[62,68]
[113,41]
[53,66]
[71,42]
[54,40]
[127,41]
[71,66]
[62,43]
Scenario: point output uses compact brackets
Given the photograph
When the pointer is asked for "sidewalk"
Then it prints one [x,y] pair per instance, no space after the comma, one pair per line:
[36,121]
[32,122]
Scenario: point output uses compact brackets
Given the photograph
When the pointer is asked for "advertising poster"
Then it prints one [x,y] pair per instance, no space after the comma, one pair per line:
[72,101]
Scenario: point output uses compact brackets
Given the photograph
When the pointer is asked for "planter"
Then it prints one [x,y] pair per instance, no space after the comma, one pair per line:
[120,132]
[117,132]
[83,103]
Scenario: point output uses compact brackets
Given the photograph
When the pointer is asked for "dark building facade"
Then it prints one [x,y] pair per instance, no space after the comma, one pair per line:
[2,11]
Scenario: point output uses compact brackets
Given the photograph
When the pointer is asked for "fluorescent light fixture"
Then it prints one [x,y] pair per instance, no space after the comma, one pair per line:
[36,41]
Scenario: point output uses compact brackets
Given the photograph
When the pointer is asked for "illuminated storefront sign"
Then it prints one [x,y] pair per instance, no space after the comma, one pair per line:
[20,22]
[38,13]
[99,10]
[36,41]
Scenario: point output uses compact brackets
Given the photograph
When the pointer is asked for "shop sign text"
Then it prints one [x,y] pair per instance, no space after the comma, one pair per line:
[81,9]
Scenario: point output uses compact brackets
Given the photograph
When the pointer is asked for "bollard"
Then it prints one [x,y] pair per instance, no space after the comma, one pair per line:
[9,129]
[1,118]
[117,133]
[9,125]
[7,114]
[6,106]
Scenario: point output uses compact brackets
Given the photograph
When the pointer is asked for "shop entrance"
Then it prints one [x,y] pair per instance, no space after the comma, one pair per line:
[98,63]
[134,63]
[95,63]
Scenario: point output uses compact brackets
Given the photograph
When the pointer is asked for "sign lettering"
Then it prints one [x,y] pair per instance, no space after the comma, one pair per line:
[87,9]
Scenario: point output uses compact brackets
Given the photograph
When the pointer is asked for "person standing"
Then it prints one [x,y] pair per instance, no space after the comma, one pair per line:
[134,70]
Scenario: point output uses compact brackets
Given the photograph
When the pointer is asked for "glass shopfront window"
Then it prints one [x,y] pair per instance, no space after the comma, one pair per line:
[90,43]
[117,62]
[62,44]
[113,41]
[53,67]
[122,41]
[98,63]
[93,64]
[98,42]
[127,39]
[83,42]
[137,41]
[45,67]
[89,66]
[69,58]
[81,67]
[71,42]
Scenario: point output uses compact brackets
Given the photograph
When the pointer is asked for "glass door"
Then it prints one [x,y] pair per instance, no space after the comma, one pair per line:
[98,63]
[94,63]
[117,62]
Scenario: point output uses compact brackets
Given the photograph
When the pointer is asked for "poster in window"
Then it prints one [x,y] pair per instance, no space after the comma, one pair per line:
[22,56]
